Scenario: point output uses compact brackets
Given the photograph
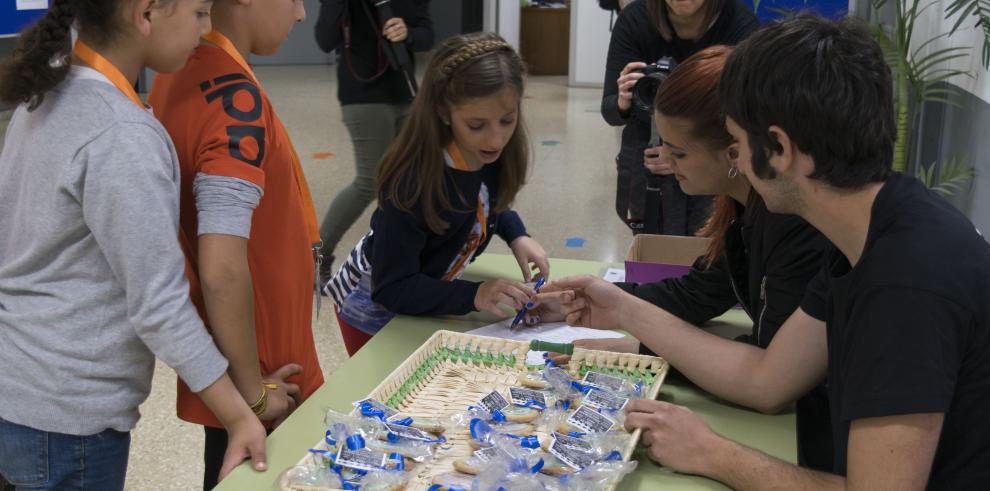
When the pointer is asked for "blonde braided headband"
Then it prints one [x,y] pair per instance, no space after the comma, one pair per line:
[472,50]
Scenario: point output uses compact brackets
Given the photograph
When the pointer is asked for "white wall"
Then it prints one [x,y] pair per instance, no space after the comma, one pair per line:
[503,17]
[589,44]
[932,23]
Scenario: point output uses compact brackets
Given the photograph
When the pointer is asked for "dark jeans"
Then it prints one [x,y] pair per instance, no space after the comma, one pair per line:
[32,459]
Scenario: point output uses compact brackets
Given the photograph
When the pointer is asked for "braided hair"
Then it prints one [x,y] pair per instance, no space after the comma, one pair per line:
[412,173]
[472,50]
[42,57]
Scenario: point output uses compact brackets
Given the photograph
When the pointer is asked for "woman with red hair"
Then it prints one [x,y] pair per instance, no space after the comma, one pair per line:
[757,259]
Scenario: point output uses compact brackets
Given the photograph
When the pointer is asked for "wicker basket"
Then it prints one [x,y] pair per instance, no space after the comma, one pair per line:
[452,371]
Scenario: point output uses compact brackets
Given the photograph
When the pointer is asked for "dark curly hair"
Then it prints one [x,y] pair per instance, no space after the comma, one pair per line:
[42,57]
[827,85]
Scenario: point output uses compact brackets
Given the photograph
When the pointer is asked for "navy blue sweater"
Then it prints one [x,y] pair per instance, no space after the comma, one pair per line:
[408,260]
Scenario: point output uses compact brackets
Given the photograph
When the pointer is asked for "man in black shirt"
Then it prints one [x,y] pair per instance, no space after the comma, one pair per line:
[898,321]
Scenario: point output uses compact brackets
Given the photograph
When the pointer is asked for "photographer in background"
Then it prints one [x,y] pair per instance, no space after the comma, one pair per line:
[374,94]
[645,32]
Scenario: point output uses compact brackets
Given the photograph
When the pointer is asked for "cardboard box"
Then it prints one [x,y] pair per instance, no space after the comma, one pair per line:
[655,257]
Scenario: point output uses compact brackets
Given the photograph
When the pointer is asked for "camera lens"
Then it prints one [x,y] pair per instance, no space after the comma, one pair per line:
[645,90]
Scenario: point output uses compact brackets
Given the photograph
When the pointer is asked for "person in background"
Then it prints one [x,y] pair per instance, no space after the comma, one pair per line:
[446,187]
[374,96]
[645,32]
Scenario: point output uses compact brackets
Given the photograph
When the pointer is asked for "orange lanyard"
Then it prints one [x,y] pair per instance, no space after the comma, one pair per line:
[97,62]
[461,164]
[222,42]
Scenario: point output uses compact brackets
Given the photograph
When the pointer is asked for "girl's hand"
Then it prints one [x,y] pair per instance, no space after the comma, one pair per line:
[284,399]
[530,254]
[627,79]
[510,293]
[246,441]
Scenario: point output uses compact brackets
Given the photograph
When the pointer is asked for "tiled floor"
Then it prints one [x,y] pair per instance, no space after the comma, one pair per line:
[570,194]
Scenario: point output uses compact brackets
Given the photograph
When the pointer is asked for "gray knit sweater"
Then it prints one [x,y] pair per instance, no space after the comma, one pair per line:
[91,273]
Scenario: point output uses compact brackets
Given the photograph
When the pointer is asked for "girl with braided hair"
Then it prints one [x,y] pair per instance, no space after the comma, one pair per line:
[444,189]
[91,273]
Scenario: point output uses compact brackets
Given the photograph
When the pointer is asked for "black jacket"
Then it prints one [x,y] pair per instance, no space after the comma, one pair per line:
[769,261]
[634,38]
[365,58]
[408,260]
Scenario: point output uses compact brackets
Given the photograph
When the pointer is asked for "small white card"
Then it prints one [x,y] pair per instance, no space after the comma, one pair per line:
[494,402]
[601,399]
[521,396]
[603,381]
[31,4]
[486,454]
[590,421]
[573,456]
[362,458]
[409,433]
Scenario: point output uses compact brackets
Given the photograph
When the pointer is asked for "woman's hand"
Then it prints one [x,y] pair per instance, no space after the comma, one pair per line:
[658,160]
[395,30]
[627,79]
[531,257]
[587,301]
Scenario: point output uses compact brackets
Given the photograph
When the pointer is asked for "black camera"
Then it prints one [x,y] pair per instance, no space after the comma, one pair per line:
[645,90]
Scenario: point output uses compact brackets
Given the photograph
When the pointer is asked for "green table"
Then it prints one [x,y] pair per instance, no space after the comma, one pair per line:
[362,373]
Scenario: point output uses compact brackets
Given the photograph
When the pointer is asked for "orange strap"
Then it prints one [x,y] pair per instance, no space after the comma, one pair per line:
[461,164]
[97,62]
[217,38]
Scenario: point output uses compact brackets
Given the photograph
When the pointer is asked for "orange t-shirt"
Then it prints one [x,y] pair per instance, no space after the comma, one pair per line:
[223,124]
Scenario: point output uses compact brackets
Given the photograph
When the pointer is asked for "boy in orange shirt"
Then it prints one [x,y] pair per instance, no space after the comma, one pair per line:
[248,227]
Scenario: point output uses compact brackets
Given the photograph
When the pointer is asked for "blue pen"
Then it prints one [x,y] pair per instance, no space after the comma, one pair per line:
[522,312]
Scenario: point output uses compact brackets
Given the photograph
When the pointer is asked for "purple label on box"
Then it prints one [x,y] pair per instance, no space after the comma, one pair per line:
[637,272]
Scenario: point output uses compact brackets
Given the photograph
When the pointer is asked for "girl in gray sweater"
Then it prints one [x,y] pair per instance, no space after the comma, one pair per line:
[91,272]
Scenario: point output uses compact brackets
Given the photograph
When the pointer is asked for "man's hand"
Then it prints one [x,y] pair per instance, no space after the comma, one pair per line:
[676,437]
[586,301]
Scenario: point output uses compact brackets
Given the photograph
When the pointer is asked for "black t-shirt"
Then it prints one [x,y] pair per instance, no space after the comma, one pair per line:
[909,328]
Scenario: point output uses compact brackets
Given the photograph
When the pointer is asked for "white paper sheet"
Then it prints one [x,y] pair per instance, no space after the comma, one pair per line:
[615,275]
[554,332]
[31,4]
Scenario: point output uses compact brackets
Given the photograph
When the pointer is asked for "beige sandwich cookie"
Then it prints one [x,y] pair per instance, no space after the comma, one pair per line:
[429,425]
[519,414]
[383,487]
[552,466]
[470,465]
[477,445]
[450,480]
[533,380]
[407,453]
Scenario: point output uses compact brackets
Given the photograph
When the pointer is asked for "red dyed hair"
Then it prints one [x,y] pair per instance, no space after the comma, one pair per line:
[691,93]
